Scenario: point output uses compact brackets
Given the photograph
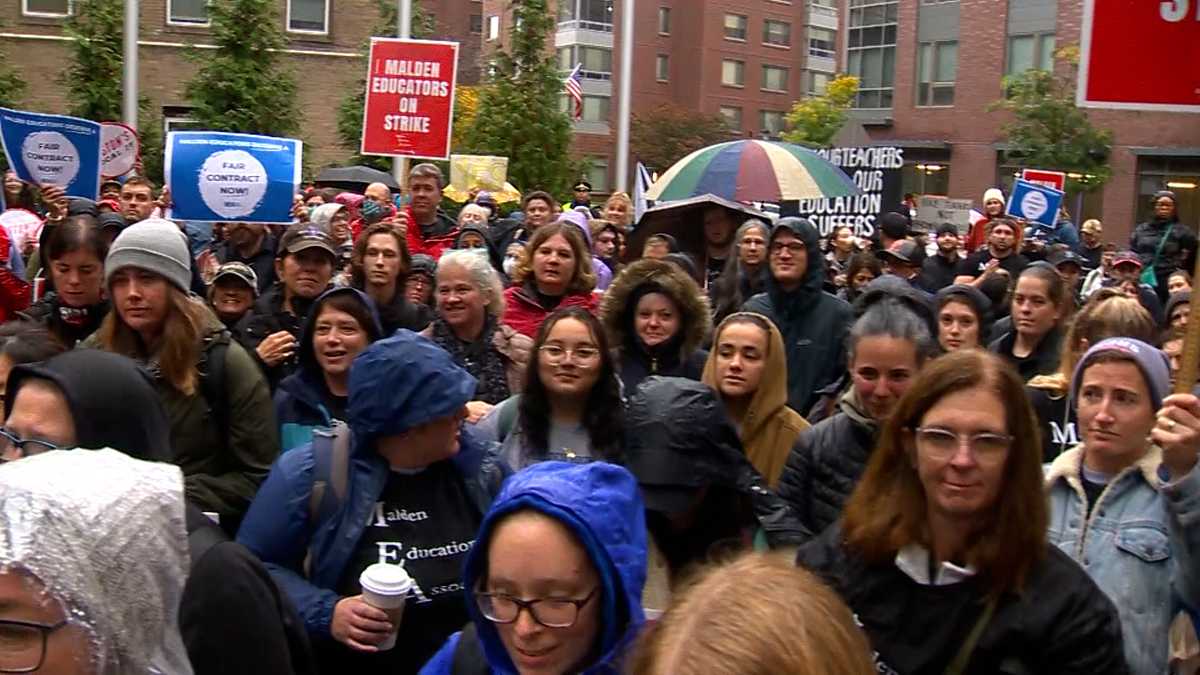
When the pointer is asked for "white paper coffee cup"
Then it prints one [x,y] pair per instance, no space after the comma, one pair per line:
[386,587]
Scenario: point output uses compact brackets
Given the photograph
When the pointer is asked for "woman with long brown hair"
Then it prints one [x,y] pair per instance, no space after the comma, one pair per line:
[223,428]
[555,272]
[942,551]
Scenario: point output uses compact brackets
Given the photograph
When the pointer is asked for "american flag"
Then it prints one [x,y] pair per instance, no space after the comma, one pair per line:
[575,90]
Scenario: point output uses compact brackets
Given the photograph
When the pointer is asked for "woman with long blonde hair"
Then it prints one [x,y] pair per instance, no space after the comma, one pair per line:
[222,423]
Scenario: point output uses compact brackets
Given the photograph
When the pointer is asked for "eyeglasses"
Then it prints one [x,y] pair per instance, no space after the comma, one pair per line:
[794,247]
[12,445]
[943,443]
[549,612]
[23,645]
[555,353]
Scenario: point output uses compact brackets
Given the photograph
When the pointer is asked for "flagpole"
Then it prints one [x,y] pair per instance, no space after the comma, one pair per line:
[625,87]
[403,31]
[129,107]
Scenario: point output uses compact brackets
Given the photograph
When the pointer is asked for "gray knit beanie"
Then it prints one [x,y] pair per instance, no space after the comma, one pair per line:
[1152,362]
[155,245]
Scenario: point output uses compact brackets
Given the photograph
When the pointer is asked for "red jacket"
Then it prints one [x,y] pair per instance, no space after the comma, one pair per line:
[525,314]
[444,229]
[15,292]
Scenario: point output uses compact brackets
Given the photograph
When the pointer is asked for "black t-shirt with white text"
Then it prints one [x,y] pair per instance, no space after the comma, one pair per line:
[975,263]
[426,522]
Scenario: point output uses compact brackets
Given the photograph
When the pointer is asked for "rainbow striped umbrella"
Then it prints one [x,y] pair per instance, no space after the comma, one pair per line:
[753,171]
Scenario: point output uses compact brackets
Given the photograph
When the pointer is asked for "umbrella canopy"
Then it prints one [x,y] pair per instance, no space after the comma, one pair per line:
[355,178]
[684,220]
[753,171]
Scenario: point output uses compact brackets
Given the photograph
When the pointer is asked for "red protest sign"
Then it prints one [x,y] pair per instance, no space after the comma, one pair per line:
[410,98]
[1054,179]
[1164,77]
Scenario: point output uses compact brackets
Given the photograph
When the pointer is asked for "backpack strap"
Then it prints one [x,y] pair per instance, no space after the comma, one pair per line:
[469,658]
[963,656]
[508,418]
[212,381]
[331,477]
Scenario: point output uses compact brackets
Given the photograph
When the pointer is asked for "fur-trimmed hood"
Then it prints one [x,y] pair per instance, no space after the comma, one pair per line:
[618,305]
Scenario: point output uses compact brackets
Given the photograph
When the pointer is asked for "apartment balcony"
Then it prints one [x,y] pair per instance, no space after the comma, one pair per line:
[590,33]
[821,60]
[822,16]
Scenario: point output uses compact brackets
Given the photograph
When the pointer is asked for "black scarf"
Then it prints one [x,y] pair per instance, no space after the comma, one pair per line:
[478,357]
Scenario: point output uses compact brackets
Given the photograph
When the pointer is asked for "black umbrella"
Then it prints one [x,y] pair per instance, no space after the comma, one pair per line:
[684,220]
[355,178]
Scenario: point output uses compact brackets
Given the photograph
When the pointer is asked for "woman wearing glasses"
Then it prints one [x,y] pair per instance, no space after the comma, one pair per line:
[1125,503]
[942,552]
[554,581]
[571,407]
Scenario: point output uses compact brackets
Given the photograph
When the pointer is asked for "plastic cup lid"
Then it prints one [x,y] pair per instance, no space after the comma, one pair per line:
[385,579]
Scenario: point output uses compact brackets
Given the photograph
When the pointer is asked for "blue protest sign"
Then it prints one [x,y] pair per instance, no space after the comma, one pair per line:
[53,149]
[216,176]
[1035,203]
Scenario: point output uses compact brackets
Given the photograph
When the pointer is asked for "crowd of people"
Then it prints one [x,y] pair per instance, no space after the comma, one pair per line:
[780,452]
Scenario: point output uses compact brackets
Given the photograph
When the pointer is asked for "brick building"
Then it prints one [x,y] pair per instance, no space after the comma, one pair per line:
[931,68]
[746,60]
[324,39]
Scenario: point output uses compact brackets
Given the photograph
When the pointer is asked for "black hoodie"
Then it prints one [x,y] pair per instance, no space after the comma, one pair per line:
[813,323]
[112,399]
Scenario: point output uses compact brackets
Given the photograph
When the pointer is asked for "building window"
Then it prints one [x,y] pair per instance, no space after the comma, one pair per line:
[493,27]
[1180,175]
[187,12]
[476,24]
[596,61]
[586,14]
[733,116]
[771,122]
[871,50]
[733,73]
[817,83]
[178,118]
[735,27]
[1030,51]
[662,68]
[664,20]
[821,42]
[774,78]
[926,176]
[46,7]
[777,33]
[308,16]
[598,173]
[937,64]
[595,108]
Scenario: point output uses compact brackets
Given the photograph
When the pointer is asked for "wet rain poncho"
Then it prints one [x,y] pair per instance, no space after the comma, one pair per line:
[104,533]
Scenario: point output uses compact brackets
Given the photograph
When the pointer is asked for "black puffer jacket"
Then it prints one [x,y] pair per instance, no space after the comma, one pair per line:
[1059,624]
[825,465]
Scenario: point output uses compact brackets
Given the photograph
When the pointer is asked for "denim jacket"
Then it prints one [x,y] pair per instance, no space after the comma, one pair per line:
[1141,545]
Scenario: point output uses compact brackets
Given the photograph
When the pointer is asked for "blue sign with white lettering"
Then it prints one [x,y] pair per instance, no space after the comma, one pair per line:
[217,176]
[1035,203]
[53,150]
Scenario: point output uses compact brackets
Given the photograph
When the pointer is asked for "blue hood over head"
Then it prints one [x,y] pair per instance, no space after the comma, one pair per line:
[403,382]
[601,504]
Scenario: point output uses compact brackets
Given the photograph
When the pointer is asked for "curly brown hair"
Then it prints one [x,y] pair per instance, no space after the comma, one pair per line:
[583,280]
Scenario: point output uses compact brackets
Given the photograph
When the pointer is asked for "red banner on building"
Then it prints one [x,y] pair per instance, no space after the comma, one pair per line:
[410,98]
[1054,179]
[1161,74]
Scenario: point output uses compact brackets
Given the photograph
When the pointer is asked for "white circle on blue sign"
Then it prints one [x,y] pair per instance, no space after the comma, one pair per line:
[1033,205]
[232,183]
[50,157]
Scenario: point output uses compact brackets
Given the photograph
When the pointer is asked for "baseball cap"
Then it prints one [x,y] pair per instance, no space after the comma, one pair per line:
[111,219]
[303,236]
[240,271]
[583,185]
[1092,226]
[947,228]
[894,225]
[903,250]
[1126,257]
[1062,257]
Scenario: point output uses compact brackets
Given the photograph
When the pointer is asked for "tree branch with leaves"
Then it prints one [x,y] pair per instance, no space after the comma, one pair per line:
[815,120]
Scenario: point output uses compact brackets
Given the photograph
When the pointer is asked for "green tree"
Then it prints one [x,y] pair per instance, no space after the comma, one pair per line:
[242,86]
[664,135]
[350,109]
[12,85]
[519,115]
[815,120]
[97,58]
[1048,131]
